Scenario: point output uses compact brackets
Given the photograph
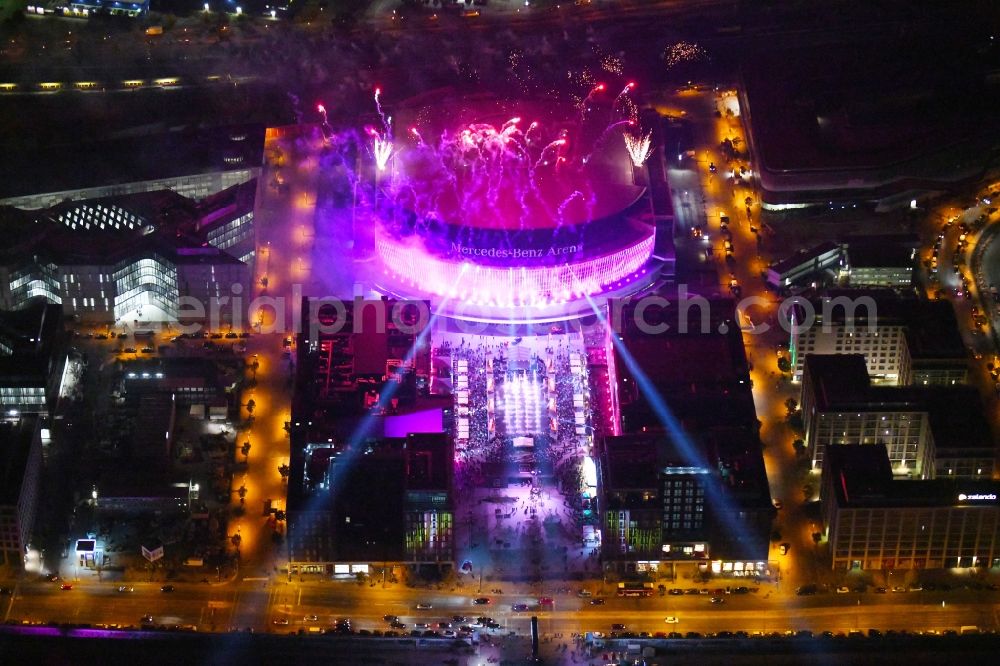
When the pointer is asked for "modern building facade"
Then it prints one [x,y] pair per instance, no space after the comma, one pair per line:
[685,488]
[880,261]
[874,521]
[905,341]
[130,259]
[661,510]
[926,431]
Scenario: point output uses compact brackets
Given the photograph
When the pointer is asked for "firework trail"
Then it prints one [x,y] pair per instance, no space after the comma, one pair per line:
[541,156]
[381,114]
[625,91]
[593,91]
[604,135]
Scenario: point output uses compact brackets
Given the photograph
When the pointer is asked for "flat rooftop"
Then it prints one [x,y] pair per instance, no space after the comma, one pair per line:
[153,155]
[873,113]
[862,477]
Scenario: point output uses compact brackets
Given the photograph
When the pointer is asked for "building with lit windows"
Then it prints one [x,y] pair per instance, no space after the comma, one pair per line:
[384,504]
[370,481]
[880,261]
[685,489]
[132,258]
[32,359]
[904,340]
[20,469]
[428,506]
[874,520]
[661,509]
[926,431]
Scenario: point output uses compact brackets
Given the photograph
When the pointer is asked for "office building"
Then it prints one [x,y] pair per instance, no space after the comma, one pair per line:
[32,359]
[20,469]
[144,257]
[904,340]
[876,521]
[663,506]
[925,430]
[880,261]
[378,505]
[346,441]
[675,486]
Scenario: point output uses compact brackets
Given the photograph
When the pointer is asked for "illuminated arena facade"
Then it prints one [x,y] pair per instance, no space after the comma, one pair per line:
[502,219]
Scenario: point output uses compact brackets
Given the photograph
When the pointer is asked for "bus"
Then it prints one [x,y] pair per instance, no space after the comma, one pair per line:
[635,589]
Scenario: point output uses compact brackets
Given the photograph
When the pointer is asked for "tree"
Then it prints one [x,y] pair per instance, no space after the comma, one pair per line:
[784,365]
[817,537]
[794,422]
[250,405]
[284,471]
[799,446]
[791,405]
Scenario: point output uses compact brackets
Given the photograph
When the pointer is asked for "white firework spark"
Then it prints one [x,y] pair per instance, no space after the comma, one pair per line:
[382,150]
[639,147]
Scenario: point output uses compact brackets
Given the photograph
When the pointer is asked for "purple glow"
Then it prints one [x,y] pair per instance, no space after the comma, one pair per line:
[428,420]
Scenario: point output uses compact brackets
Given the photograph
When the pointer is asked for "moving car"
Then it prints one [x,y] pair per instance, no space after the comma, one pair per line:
[519,608]
[424,606]
[126,588]
[480,601]
[66,586]
[671,619]
[167,588]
